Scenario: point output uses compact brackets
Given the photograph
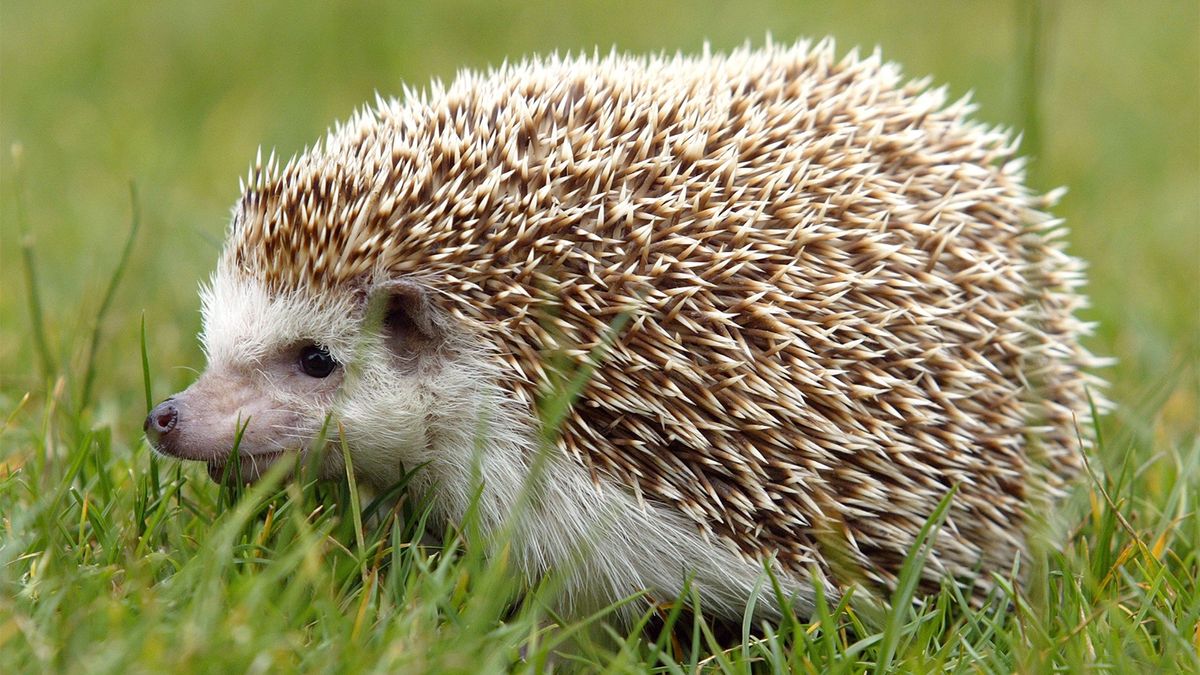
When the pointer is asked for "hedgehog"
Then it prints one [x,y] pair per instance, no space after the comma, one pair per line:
[784,304]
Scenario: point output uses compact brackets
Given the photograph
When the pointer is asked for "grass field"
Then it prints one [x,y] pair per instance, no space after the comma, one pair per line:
[111,561]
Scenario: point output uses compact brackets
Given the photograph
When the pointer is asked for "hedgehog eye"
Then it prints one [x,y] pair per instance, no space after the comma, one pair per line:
[316,362]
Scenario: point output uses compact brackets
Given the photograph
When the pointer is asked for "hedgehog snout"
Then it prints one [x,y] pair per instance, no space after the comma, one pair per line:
[161,421]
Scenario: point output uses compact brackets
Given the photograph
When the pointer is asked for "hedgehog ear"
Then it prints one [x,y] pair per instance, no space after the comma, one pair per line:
[405,317]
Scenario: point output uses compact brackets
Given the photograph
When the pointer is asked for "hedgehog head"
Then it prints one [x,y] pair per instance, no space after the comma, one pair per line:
[314,332]
[286,368]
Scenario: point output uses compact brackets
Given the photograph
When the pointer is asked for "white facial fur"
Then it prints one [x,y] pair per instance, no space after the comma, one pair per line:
[454,420]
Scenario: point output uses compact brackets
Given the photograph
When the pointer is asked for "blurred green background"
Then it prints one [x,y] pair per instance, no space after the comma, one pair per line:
[176,97]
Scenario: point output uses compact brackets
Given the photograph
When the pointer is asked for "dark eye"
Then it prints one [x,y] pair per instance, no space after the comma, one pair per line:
[316,362]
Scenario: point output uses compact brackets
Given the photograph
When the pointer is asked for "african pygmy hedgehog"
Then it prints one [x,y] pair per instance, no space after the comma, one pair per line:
[802,297]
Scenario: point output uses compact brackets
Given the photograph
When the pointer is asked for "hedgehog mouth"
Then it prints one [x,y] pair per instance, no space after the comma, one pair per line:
[247,469]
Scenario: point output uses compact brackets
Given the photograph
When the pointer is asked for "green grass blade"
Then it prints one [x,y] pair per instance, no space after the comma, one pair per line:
[906,585]
[145,366]
[1033,16]
[155,478]
[32,289]
[355,505]
[110,292]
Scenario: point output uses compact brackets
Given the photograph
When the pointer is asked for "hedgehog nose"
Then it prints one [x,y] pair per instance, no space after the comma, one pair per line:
[161,420]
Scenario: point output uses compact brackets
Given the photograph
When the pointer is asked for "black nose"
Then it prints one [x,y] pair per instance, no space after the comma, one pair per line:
[161,420]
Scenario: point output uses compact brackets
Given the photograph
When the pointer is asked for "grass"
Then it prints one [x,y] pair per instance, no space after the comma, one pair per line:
[111,561]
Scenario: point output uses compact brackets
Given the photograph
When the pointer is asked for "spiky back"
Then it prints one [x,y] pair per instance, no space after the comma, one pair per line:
[840,298]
